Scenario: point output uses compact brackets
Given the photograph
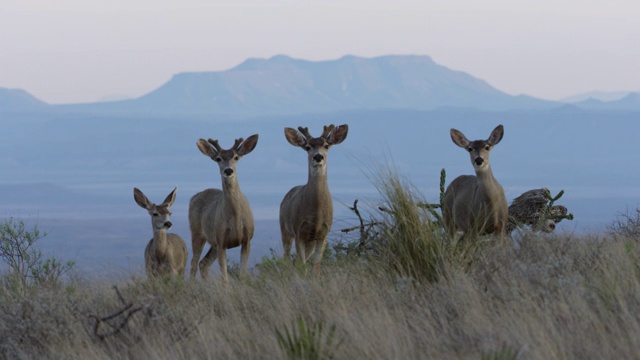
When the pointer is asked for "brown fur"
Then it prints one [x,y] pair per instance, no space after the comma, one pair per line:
[165,253]
[306,212]
[223,218]
[476,205]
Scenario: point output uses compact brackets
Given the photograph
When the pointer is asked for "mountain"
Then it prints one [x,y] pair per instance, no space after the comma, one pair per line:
[631,102]
[16,100]
[283,85]
[604,96]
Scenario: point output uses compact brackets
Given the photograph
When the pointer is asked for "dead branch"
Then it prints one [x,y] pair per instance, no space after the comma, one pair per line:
[126,312]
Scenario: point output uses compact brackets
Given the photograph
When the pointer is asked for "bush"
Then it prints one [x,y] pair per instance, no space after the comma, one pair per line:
[627,224]
[25,261]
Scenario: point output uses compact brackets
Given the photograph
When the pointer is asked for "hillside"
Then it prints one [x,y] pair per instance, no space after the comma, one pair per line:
[17,100]
[285,86]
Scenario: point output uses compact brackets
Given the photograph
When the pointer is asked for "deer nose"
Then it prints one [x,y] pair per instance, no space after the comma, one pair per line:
[228,171]
[168,224]
[318,157]
[479,161]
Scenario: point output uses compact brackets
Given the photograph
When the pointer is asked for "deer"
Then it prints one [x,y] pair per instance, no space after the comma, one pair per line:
[306,212]
[222,218]
[165,253]
[476,205]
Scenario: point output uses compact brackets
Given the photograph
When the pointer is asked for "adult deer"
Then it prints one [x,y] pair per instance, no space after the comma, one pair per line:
[165,253]
[476,204]
[223,218]
[306,212]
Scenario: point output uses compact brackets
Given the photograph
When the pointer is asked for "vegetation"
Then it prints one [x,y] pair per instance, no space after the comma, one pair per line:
[404,291]
[25,262]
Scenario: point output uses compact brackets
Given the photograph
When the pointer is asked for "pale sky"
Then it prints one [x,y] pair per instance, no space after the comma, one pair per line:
[64,51]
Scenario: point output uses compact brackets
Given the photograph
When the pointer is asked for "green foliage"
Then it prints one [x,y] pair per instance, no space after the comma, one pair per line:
[25,261]
[504,353]
[412,240]
[307,341]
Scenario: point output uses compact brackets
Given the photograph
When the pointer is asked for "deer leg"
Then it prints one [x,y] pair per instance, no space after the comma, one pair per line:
[287,241]
[244,256]
[320,246]
[300,253]
[310,248]
[207,260]
[222,260]
[197,244]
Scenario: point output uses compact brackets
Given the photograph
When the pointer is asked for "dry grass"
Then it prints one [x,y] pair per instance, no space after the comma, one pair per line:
[550,297]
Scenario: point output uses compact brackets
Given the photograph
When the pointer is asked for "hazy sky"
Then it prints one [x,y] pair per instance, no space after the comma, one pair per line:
[66,51]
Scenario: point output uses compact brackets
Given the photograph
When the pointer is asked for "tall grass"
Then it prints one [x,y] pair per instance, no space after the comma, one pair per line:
[412,241]
[416,295]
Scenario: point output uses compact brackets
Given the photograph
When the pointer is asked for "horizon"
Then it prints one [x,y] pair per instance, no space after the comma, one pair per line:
[111,50]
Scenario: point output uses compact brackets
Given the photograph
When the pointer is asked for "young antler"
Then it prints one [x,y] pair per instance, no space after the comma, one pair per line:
[305,131]
[215,145]
[327,130]
[237,143]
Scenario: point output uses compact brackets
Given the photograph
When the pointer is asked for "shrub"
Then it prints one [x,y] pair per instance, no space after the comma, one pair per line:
[627,224]
[25,261]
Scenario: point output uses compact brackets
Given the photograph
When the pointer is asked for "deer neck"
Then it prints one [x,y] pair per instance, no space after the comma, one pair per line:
[160,241]
[317,183]
[487,184]
[232,194]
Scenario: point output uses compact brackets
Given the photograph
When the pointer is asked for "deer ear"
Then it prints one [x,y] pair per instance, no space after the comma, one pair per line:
[294,137]
[338,135]
[206,148]
[248,145]
[170,198]
[141,199]
[496,135]
[459,138]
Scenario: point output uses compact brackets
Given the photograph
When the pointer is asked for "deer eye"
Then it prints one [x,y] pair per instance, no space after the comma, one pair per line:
[469,149]
[217,159]
[307,147]
[155,214]
[326,146]
[236,158]
[487,147]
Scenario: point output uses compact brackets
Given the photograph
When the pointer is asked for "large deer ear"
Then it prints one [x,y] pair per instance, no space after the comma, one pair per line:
[294,137]
[459,138]
[248,145]
[141,199]
[206,148]
[338,135]
[170,198]
[496,135]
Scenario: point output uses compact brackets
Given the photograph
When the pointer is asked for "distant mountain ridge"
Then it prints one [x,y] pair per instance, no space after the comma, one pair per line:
[282,85]
[17,100]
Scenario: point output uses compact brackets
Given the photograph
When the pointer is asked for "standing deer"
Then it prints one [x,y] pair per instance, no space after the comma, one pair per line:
[165,253]
[476,204]
[306,212]
[223,218]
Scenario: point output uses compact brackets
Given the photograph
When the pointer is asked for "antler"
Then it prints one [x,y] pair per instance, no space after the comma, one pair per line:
[215,144]
[327,131]
[237,144]
[305,132]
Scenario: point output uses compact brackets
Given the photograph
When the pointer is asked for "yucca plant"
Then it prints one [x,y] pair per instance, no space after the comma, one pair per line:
[307,341]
